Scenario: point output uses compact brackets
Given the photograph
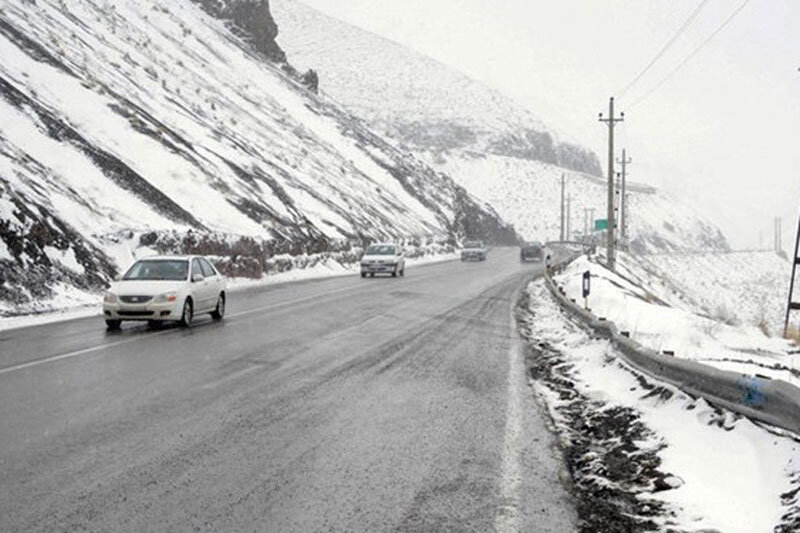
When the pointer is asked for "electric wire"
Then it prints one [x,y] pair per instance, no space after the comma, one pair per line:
[690,56]
[666,47]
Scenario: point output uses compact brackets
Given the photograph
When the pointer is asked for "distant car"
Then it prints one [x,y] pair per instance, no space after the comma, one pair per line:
[532,251]
[159,289]
[383,258]
[473,251]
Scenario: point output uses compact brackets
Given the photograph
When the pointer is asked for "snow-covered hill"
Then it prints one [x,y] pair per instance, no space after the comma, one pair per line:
[414,99]
[124,118]
[498,150]
[528,195]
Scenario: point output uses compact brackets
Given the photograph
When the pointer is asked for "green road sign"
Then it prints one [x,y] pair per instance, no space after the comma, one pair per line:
[601,223]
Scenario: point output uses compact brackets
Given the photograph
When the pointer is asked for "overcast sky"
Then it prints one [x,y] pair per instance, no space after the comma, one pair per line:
[723,131]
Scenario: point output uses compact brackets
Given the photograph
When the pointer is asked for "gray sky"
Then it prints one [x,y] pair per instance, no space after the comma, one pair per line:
[724,131]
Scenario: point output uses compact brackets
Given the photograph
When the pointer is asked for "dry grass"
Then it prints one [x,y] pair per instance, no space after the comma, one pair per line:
[793,334]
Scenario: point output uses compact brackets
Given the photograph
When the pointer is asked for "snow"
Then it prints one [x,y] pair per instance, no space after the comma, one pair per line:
[387,83]
[65,258]
[663,319]
[528,195]
[4,252]
[214,102]
[461,127]
[732,472]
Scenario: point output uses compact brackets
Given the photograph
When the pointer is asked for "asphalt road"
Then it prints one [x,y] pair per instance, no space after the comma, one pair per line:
[345,404]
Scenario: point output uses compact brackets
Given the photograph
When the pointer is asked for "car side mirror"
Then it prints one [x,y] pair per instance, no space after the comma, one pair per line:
[197,277]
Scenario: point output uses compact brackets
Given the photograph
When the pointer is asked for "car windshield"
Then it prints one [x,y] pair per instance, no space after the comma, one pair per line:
[169,270]
[473,244]
[380,249]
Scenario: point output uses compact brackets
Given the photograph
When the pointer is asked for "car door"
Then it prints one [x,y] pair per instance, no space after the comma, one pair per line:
[214,281]
[200,287]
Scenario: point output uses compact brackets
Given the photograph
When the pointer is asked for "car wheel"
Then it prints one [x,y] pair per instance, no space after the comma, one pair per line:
[113,325]
[372,274]
[219,312]
[363,274]
[188,314]
[403,272]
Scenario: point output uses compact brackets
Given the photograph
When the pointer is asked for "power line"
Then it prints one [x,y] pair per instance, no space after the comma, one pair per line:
[691,55]
[669,43]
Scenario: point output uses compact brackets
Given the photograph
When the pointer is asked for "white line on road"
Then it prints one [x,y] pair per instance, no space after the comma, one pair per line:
[92,349]
[507,518]
[76,353]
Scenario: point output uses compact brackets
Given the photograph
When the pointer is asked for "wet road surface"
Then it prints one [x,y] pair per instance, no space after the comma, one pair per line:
[344,404]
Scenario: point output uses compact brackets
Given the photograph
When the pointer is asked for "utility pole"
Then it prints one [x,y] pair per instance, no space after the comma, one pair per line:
[562,208]
[791,304]
[624,162]
[611,121]
[569,217]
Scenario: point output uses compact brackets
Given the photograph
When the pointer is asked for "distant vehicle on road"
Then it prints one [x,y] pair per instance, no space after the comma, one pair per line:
[160,289]
[473,251]
[383,258]
[532,251]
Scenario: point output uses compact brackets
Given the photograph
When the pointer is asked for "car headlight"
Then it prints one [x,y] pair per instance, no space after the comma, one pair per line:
[110,298]
[166,297]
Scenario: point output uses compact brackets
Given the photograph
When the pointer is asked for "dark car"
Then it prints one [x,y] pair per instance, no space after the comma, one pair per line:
[532,251]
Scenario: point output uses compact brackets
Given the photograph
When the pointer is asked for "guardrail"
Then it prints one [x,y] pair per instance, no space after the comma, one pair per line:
[774,402]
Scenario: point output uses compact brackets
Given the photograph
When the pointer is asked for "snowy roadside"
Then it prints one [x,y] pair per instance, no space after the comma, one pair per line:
[662,318]
[71,303]
[645,456]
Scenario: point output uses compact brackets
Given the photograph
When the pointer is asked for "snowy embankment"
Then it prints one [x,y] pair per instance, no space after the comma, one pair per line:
[643,455]
[746,288]
[662,316]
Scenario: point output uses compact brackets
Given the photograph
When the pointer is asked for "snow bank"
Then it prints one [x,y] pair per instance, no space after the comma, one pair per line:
[663,319]
[719,471]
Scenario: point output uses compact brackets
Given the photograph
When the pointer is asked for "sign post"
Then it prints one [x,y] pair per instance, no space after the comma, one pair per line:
[587,288]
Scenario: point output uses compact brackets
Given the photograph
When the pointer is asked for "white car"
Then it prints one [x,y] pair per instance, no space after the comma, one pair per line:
[159,289]
[383,258]
[473,251]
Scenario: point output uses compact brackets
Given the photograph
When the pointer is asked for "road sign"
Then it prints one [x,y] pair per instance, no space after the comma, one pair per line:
[601,223]
[587,283]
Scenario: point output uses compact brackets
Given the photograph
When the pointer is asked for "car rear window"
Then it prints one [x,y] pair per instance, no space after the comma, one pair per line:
[473,244]
[158,270]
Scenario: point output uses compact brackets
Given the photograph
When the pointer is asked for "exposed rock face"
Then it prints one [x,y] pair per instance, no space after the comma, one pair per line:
[252,21]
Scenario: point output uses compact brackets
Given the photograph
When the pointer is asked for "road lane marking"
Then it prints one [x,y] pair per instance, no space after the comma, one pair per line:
[92,349]
[76,353]
[291,302]
[507,518]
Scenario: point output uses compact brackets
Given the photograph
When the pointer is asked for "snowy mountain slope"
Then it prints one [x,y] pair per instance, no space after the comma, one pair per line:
[528,195]
[742,288]
[415,99]
[152,116]
[495,148]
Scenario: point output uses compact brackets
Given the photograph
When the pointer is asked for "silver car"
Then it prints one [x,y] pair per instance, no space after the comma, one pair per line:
[383,258]
[473,251]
